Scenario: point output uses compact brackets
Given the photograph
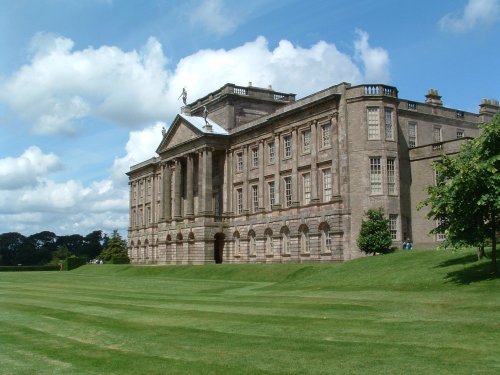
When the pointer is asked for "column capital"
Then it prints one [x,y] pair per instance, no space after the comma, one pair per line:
[276,134]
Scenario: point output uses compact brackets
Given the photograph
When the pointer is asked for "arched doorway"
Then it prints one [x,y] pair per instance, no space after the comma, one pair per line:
[219,247]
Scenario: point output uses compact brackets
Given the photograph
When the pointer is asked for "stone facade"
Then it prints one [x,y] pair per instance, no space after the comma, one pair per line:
[266,178]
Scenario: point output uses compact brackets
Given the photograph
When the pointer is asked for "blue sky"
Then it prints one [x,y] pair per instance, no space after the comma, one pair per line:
[85,86]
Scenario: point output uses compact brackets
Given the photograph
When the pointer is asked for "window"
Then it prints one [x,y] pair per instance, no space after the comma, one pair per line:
[326,139]
[149,187]
[306,179]
[252,248]
[460,133]
[236,237]
[304,239]
[437,134]
[391,176]
[288,191]
[373,124]
[393,226]
[375,176]
[239,161]
[285,235]
[306,141]
[440,236]
[255,157]
[326,239]
[388,124]
[239,201]
[255,198]
[269,243]
[287,146]
[271,148]
[412,134]
[134,188]
[271,194]
[148,212]
[327,185]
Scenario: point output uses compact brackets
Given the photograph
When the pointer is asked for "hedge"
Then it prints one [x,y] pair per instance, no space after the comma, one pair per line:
[28,268]
[73,262]
[119,260]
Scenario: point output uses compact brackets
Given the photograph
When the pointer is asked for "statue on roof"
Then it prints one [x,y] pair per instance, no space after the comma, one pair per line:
[163,131]
[205,114]
[184,96]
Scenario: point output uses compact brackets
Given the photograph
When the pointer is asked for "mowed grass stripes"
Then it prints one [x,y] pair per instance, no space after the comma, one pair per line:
[431,312]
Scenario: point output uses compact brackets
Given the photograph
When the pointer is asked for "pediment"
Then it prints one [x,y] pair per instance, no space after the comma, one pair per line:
[179,132]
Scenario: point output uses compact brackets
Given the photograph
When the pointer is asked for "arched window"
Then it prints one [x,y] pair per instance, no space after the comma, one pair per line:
[285,241]
[252,247]
[326,239]
[236,242]
[304,239]
[269,241]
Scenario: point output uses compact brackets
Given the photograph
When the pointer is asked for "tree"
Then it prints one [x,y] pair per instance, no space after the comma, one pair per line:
[61,253]
[466,198]
[92,245]
[115,247]
[375,234]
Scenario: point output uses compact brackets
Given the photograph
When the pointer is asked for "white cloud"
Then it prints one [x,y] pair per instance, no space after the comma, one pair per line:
[211,16]
[65,207]
[477,13]
[375,60]
[60,87]
[140,146]
[27,168]
[287,67]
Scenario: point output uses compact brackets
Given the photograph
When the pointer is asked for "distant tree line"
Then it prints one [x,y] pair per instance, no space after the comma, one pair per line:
[48,248]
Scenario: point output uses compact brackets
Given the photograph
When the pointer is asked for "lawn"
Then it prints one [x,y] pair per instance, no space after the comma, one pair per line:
[427,312]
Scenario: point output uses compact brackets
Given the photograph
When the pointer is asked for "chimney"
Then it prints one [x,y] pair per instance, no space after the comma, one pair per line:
[433,98]
[488,108]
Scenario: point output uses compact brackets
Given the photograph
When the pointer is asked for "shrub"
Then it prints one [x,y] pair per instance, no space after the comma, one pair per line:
[120,260]
[73,262]
[28,268]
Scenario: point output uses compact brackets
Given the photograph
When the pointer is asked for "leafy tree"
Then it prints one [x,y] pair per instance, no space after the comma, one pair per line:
[73,242]
[61,253]
[466,198]
[92,245]
[115,247]
[375,234]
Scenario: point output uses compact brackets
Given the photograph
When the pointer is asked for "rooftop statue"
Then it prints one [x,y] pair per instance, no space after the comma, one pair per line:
[184,95]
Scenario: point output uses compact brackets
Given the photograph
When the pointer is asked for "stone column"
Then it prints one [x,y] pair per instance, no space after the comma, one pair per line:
[177,189]
[201,204]
[314,162]
[190,186]
[261,175]
[246,165]
[295,162]
[277,164]
[335,156]
[167,193]
[207,181]
[228,182]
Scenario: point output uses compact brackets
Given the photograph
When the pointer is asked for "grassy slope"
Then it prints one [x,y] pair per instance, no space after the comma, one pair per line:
[419,312]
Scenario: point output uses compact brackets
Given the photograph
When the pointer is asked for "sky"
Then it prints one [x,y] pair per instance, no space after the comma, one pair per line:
[87,85]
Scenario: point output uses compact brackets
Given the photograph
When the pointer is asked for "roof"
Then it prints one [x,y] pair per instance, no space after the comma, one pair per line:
[199,123]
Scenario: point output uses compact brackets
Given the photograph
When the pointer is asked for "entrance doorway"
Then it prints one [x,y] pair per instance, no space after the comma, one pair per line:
[219,247]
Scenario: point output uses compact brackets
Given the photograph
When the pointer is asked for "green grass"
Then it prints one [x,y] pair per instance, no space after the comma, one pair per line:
[429,312]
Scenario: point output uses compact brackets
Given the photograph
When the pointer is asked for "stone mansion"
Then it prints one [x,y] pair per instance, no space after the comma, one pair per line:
[249,174]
